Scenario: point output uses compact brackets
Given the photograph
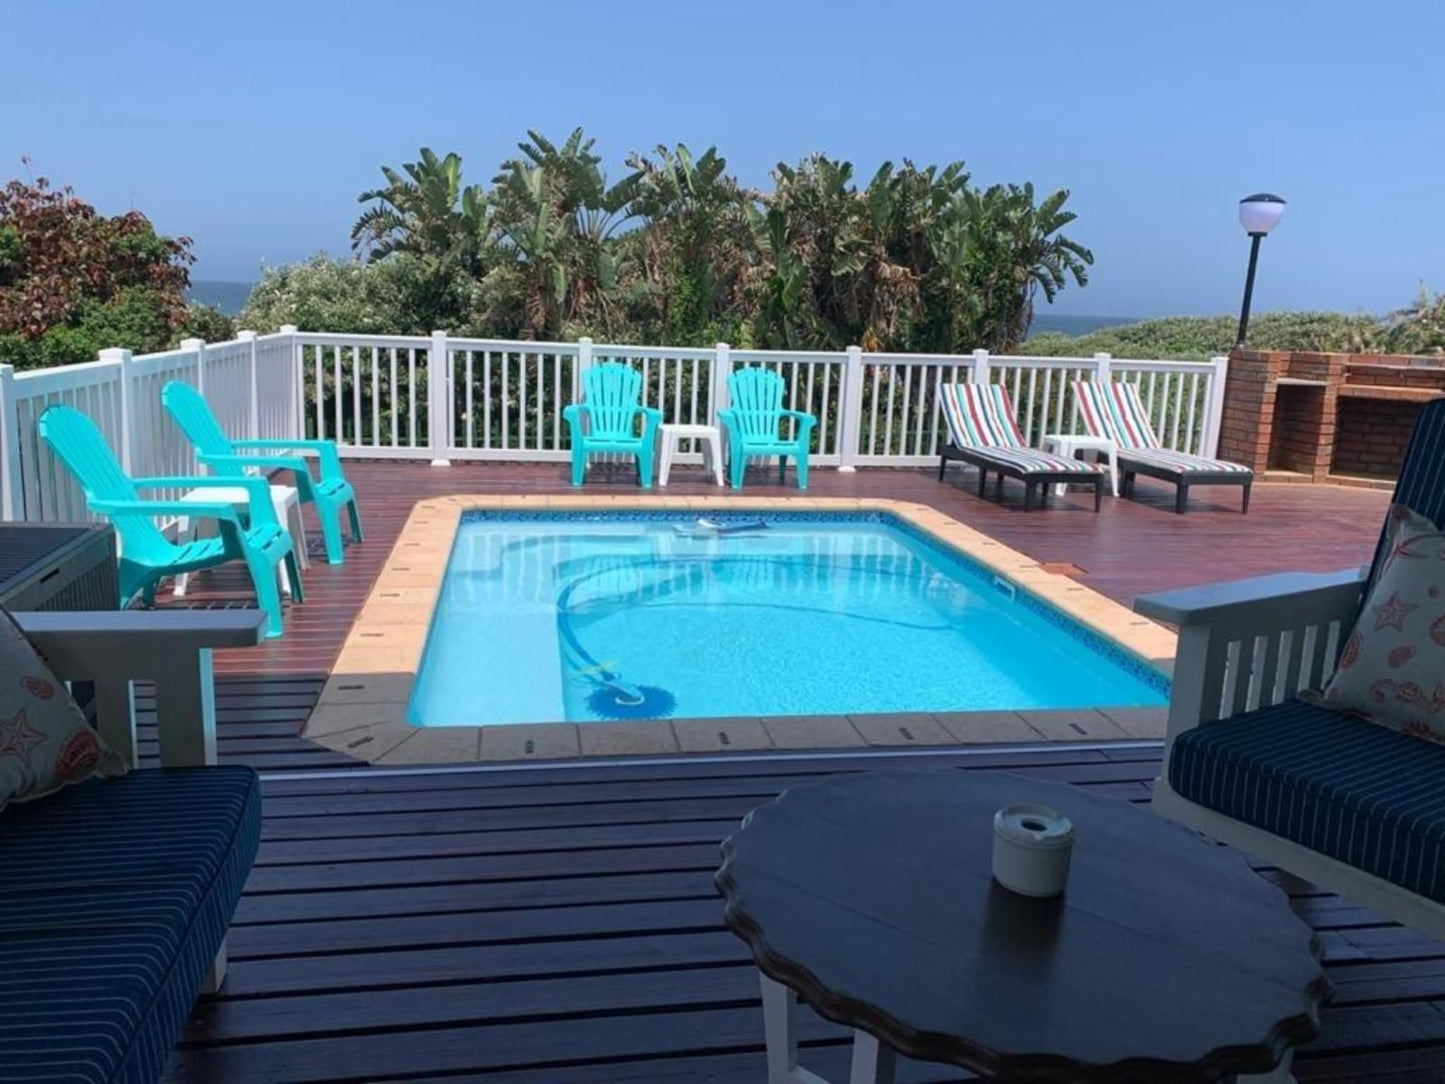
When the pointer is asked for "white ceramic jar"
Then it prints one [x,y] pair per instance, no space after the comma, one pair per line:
[1032,846]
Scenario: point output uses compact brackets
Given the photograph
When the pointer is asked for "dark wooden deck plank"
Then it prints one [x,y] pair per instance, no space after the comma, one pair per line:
[526,933]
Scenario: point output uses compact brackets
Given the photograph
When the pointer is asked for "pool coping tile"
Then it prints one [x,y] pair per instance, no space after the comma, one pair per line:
[372,679]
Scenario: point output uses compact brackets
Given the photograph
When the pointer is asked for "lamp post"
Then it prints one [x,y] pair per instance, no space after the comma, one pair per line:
[1258,214]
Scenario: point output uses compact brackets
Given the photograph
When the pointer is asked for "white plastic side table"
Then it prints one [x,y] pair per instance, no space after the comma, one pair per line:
[288,512]
[707,435]
[1068,444]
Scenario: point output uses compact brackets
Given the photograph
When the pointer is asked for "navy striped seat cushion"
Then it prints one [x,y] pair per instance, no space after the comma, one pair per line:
[1332,782]
[114,899]
[1181,462]
[1033,461]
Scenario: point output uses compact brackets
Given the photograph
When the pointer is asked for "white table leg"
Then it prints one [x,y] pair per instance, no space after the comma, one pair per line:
[1058,448]
[712,456]
[873,1062]
[1114,469]
[781,1031]
[664,466]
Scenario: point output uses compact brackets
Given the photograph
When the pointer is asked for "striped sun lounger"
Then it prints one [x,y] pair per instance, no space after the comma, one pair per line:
[982,432]
[1112,409]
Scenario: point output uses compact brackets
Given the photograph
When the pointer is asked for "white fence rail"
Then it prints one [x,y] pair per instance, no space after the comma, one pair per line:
[441,397]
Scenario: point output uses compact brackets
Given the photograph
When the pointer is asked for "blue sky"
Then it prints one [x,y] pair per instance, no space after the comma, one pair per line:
[252,127]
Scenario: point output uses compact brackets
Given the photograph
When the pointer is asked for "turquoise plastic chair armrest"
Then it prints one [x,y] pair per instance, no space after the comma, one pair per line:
[258,492]
[200,509]
[294,463]
[324,449]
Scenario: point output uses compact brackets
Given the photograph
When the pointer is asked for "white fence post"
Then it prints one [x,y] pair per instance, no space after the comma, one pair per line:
[1102,372]
[199,347]
[722,367]
[851,408]
[979,373]
[584,362]
[249,338]
[298,384]
[1214,414]
[439,399]
[10,480]
[122,360]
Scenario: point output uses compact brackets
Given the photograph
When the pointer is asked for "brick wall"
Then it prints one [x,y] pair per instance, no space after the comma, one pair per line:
[1316,413]
[1303,430]
[1372,436]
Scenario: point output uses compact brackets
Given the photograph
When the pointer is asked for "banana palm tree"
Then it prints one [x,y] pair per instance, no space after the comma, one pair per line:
[695,251]
[558,216]
[425,211]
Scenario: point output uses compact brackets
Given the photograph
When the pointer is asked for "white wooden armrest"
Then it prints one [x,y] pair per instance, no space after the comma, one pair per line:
[170,647]
[1262,598]
[1252,643]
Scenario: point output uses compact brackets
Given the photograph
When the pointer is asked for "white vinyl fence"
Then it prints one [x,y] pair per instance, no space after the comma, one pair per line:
[444,398]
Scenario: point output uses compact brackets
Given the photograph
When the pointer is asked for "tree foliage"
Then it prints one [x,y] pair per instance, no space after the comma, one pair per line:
[678,251]
[73,281]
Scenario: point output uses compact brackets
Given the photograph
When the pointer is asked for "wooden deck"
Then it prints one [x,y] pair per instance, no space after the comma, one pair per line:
[265,693]
[559,926]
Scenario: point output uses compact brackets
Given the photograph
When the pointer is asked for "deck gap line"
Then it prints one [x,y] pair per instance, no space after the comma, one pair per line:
[486,942]
[390,915]
[720,1005]
[258,892]
[582,848]
[565,975]
[704,758]
[579,826]
[571,802]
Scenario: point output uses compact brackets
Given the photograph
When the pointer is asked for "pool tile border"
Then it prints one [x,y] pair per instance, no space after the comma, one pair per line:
[362,710]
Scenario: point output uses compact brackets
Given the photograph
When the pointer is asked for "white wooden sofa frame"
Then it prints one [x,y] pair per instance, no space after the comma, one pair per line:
[172,648]
[1251,644]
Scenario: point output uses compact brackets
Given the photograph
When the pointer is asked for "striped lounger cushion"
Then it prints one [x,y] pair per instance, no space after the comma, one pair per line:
[114,899]
[981,422]
[1181,462]
[1331,782]
[1032,461]
[1113,409]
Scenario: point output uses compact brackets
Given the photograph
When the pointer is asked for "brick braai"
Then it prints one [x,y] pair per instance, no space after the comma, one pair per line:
[1324,417]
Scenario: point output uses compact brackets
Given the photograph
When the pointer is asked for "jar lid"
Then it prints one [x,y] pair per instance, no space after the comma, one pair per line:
[1039,827]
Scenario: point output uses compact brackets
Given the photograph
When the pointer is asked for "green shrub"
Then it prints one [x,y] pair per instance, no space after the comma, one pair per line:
[1187,337]
[383,297]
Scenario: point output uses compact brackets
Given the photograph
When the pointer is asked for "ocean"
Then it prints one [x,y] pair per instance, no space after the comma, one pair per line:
[230,298]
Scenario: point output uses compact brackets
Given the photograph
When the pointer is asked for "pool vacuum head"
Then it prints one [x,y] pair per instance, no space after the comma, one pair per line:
[631,702]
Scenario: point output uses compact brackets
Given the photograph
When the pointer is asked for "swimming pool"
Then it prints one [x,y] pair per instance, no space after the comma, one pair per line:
[597,616]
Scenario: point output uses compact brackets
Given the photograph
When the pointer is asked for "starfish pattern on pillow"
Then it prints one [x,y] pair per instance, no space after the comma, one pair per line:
[18,737]
[1391,613]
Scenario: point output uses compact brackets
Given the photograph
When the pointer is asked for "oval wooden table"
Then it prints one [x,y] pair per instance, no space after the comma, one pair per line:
[1166,959]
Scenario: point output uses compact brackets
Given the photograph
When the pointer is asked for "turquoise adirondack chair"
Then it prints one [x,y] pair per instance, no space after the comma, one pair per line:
[329,493]
[146,555]
[610,408]
[754,422]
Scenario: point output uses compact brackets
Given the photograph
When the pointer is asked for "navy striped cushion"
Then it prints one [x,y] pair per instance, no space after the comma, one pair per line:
[1181,462]
[1334,783]
[1033,461]
[114,899]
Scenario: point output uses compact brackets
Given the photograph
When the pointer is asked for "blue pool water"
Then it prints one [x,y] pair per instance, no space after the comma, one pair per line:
[577,617]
